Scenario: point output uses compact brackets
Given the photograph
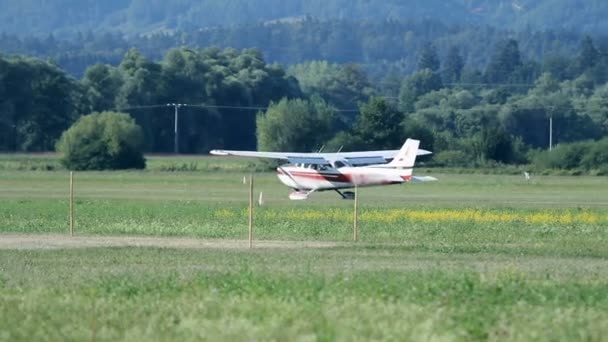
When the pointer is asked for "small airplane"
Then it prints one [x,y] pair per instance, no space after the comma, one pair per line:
[307,173]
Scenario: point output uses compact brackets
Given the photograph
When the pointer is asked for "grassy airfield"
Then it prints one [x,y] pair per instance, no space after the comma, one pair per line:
[468,257]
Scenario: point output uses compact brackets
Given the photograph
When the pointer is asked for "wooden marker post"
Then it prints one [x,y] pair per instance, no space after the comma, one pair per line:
[71,203]
[251,211]
[355,218]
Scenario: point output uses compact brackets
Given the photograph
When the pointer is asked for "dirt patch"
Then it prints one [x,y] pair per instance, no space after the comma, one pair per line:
[46,241]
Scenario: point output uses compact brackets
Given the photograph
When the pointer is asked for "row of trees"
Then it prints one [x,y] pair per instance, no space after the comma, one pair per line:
[38,101]
[503,116]
[571,94]
[500,115]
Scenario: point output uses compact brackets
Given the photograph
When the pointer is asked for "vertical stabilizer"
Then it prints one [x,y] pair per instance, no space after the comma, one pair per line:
[406,157]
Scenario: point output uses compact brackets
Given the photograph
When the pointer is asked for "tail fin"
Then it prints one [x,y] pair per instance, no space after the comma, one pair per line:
[406,156]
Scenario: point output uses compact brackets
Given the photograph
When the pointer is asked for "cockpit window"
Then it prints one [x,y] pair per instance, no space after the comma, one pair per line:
[338,164]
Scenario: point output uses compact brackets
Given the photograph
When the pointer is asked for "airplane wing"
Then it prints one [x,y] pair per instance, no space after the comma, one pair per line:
[255,154]
[354,158]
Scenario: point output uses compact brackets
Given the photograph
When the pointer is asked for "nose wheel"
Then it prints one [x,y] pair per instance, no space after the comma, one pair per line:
[347,195]
[299,195]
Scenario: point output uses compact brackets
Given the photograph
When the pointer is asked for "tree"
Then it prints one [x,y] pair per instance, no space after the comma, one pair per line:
[379,125]
[588,57]
[428,58]
[453,66]
[342,86]
[295,125]
[416,85]
[545,85]
[504,63]
[416,130]
[597,107]
[40,101]
[7,115]
[497,145]
[557,66]
[102,84]
[103,141]
[142,82]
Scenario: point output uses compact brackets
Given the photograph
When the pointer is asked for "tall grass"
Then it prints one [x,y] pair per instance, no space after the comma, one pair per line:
[559,232]
[466,258]
[163,163]
[342,294]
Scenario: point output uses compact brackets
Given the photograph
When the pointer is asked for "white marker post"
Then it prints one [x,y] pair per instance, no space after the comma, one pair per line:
[251,211]
[71,203]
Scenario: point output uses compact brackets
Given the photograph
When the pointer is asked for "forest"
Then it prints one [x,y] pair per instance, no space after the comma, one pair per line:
[380,47]
[235,99]
[473,93]
[68,17]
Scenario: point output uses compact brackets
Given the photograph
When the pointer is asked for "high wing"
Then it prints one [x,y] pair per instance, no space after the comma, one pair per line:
[354,158]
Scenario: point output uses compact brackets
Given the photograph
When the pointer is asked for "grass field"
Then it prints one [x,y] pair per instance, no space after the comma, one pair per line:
[51,162]
[466,258]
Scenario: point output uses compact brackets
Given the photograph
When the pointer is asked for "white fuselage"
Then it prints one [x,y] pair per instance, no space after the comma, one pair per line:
[329,178]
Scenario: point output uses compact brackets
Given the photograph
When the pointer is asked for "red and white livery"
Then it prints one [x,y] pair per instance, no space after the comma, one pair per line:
[310,172]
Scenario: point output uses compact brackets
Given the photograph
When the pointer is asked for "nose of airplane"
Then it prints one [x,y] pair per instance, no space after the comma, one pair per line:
[285,178]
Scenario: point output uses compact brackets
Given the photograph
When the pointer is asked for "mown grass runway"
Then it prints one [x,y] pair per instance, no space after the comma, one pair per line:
[468,257]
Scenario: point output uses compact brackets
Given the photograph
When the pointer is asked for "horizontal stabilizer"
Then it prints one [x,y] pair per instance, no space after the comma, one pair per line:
[423,179]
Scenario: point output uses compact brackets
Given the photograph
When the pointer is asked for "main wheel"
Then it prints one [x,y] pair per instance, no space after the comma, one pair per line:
[349,195]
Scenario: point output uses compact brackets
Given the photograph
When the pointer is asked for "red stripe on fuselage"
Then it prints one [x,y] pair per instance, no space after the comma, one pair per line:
[330,177]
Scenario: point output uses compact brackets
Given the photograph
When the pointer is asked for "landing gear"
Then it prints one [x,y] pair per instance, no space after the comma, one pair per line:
[347,195]
[299,195]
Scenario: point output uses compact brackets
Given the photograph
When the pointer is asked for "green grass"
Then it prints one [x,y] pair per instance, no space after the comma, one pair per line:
[196,219]
[342,293]
[221,187]
[524,261]
[50,161]
[164,163]
[30,162]
[214,205]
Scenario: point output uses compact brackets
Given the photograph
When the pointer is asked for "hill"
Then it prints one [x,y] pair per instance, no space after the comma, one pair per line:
[65,17]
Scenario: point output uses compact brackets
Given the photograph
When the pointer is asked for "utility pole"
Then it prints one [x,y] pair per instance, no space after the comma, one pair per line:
[551,132]
[176,120]
[551,111]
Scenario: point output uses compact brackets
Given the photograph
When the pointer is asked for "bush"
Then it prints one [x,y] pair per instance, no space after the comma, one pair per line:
[452,158]
[596,155]
[584,155]
[103,141]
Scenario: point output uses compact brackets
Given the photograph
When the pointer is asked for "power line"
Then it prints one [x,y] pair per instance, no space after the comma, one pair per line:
[176,107]
[214,107]
[207,106]
[139,107]
[523,85]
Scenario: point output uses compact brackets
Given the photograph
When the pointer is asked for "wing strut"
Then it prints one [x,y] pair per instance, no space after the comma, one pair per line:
[288,175]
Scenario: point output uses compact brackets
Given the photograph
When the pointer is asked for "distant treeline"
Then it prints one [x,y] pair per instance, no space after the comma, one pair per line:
[380,46]
[67,17]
